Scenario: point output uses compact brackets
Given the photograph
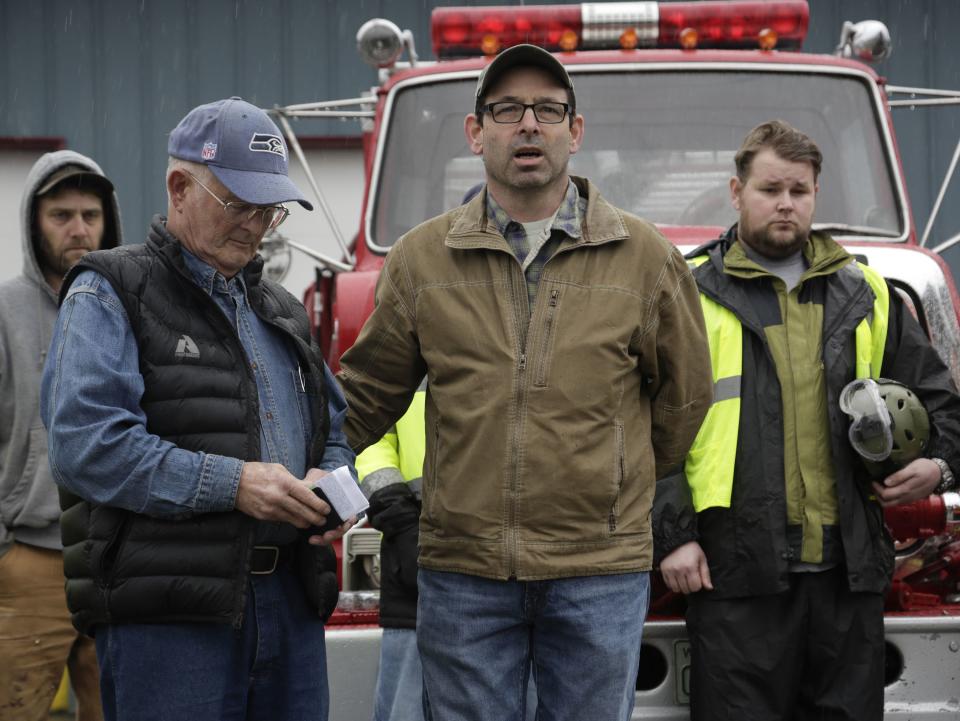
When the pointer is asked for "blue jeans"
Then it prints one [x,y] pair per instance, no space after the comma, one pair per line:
[273,667]
[479,638]
[400,679]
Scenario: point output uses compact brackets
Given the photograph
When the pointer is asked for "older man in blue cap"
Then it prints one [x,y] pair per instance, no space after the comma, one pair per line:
[189,414]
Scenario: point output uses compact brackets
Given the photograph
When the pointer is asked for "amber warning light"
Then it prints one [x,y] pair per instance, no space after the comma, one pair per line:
[471,31]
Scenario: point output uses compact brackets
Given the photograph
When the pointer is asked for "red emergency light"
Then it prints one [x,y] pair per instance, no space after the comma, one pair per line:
[470,31]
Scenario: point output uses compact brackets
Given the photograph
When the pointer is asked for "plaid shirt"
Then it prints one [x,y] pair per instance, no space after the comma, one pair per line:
[566,223]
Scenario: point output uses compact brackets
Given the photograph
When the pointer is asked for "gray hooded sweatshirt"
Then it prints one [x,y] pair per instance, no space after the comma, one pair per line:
[29,505]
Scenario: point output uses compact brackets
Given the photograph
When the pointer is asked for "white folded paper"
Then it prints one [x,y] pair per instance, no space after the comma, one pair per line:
[343,493]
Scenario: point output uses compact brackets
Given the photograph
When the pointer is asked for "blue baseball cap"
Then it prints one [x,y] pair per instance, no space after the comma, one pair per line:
[242,146]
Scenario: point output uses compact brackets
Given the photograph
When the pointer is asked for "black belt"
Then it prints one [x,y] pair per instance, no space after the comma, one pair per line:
[266,559]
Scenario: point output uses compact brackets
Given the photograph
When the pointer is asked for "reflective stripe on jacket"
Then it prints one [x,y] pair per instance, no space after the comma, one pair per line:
[871,334]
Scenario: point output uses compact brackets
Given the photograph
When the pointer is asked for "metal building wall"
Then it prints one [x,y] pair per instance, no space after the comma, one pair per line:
[112,77]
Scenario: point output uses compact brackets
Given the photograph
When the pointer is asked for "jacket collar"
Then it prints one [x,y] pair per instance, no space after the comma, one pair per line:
[847,297]
[168,246]
[472,228]
[567,217]
[821,253]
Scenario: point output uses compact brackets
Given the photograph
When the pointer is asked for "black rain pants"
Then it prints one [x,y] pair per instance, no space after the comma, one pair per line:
[815,652]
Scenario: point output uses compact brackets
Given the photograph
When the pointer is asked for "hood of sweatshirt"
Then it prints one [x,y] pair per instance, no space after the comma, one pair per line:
[45,166]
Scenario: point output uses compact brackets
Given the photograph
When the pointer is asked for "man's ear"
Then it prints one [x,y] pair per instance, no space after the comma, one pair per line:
[473,129]
[177,183]
[576,134]
[735,189]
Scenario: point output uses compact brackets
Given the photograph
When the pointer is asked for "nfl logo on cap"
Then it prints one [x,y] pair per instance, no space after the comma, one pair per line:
[209,151]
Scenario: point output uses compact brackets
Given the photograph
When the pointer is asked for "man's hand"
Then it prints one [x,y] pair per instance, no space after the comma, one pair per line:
[269,492]
[331,536]
[914,481]
[685,569]
[313,475]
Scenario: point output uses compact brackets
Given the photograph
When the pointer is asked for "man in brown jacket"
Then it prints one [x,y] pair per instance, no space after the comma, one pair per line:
[567,368]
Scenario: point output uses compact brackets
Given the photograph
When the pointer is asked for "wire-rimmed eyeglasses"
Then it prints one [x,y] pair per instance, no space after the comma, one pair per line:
[239,212]
[508,111]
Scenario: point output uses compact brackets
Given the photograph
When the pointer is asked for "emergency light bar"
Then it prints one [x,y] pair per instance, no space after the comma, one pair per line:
[470,31]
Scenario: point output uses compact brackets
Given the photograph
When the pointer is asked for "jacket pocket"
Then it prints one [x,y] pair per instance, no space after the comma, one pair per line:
[619,473]
[304,403]
[545,350]
[12,506]
[107,563]
[431,481]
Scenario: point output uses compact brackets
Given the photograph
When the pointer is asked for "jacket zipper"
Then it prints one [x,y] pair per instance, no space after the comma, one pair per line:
[247,531]
[540,377]
[522,318]
[621,474]
[429,503]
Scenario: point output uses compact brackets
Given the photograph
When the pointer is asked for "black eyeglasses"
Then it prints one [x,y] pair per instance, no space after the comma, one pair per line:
[240,212]
[508,111]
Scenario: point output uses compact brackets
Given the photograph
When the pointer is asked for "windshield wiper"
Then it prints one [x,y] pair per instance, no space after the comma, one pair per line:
[846,229]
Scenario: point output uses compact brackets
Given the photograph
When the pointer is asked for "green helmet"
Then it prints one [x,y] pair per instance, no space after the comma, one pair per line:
[911,424]
[889,426]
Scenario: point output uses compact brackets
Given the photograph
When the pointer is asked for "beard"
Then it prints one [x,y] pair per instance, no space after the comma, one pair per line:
[774,242]
[60,261]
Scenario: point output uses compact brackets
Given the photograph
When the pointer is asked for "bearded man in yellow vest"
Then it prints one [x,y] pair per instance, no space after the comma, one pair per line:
[772,529]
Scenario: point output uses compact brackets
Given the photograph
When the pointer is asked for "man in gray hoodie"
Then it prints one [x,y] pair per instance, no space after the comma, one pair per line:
[69,208]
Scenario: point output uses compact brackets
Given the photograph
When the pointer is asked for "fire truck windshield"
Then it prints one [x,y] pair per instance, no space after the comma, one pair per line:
[658,143]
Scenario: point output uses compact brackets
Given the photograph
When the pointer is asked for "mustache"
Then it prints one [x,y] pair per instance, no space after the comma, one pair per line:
[526,144]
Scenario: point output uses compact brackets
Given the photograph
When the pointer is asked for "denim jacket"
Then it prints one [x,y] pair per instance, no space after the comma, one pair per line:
[125,466]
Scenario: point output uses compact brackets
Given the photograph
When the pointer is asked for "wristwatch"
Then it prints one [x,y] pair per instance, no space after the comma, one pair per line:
[947,480]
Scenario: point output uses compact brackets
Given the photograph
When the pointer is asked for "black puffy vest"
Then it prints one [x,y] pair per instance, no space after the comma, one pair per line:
[126,567]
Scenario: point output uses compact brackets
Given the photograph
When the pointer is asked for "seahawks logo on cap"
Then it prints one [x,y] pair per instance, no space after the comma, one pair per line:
[267,143]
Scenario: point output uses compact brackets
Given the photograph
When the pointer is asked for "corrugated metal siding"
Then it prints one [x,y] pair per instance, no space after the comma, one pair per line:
[114,76]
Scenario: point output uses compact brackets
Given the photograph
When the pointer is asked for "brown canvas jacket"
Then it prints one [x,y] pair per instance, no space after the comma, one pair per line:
[547,430]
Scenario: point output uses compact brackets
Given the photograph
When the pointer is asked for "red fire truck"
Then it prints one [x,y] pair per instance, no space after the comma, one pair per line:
[668,91]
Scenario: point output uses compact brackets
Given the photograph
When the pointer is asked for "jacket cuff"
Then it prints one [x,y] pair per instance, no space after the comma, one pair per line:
[416,485]
[663,547]
[380,478]
[219,481]
[674,518]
